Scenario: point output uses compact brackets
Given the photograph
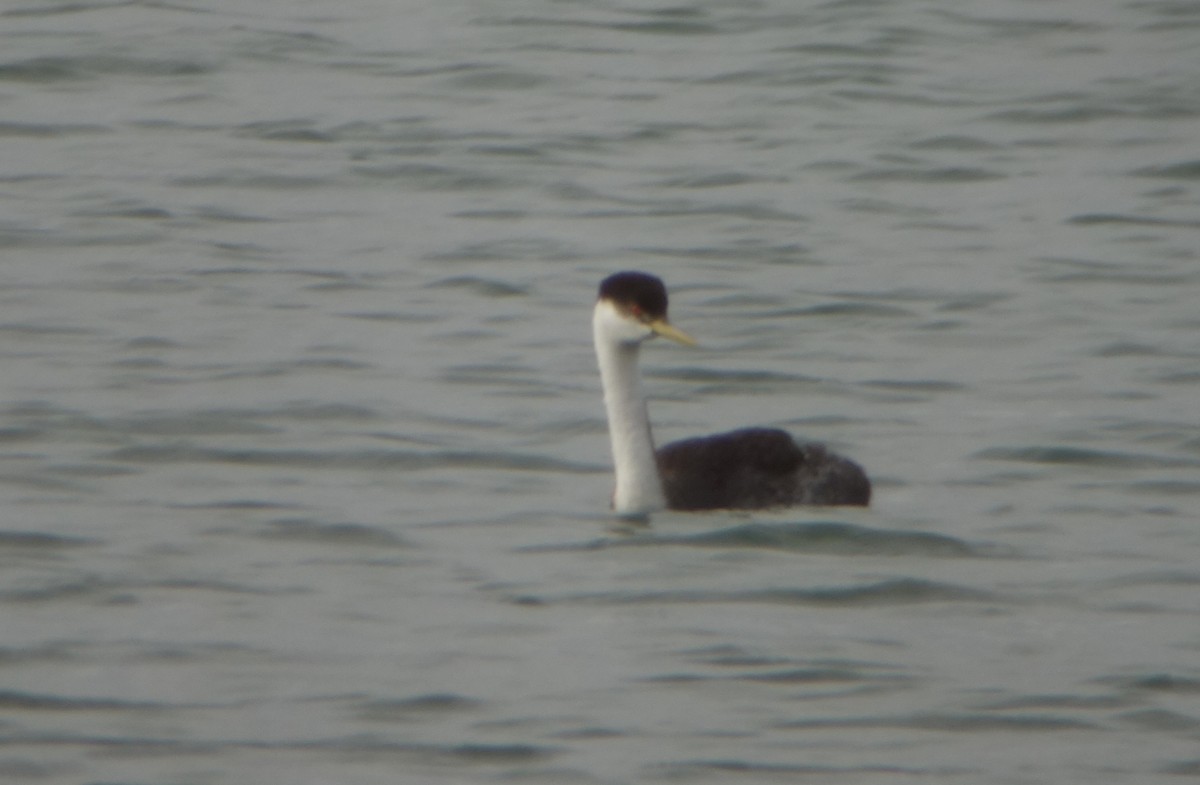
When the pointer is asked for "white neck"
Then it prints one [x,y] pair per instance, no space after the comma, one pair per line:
[639,489]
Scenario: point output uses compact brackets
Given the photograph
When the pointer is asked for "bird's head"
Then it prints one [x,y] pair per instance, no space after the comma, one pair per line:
[632,307]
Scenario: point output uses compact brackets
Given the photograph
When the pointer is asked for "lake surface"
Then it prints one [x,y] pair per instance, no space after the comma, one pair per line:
[303,463]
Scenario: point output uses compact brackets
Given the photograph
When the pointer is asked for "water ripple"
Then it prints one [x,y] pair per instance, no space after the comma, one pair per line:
[937,175]
[355,460]
[309,530]
[15,700]
[954,723]
[724,768]
[40,541]
[47,130]
[894,591]
[820,537]
[414,709]
[129,746]
[80,67]
[1184,170]
[1080,456]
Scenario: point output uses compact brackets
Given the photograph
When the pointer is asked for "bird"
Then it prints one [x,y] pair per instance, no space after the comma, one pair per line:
[749,468]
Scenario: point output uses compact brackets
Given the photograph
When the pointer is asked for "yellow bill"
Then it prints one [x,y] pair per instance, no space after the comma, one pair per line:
[667,330]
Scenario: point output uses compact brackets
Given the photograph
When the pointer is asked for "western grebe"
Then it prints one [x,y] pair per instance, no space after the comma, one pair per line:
[751,468]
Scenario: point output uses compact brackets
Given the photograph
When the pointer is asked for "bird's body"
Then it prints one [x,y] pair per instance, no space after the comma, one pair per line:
[754,468]
[751,468]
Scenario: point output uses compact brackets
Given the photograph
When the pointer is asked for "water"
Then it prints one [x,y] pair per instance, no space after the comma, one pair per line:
[304,467]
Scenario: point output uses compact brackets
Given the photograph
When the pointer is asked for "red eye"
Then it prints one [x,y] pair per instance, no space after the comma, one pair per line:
[636,310]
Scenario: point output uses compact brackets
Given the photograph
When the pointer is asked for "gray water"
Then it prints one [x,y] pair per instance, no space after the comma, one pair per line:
[304,467]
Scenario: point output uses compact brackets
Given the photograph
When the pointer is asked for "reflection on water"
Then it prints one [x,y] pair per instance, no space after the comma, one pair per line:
[301,448]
